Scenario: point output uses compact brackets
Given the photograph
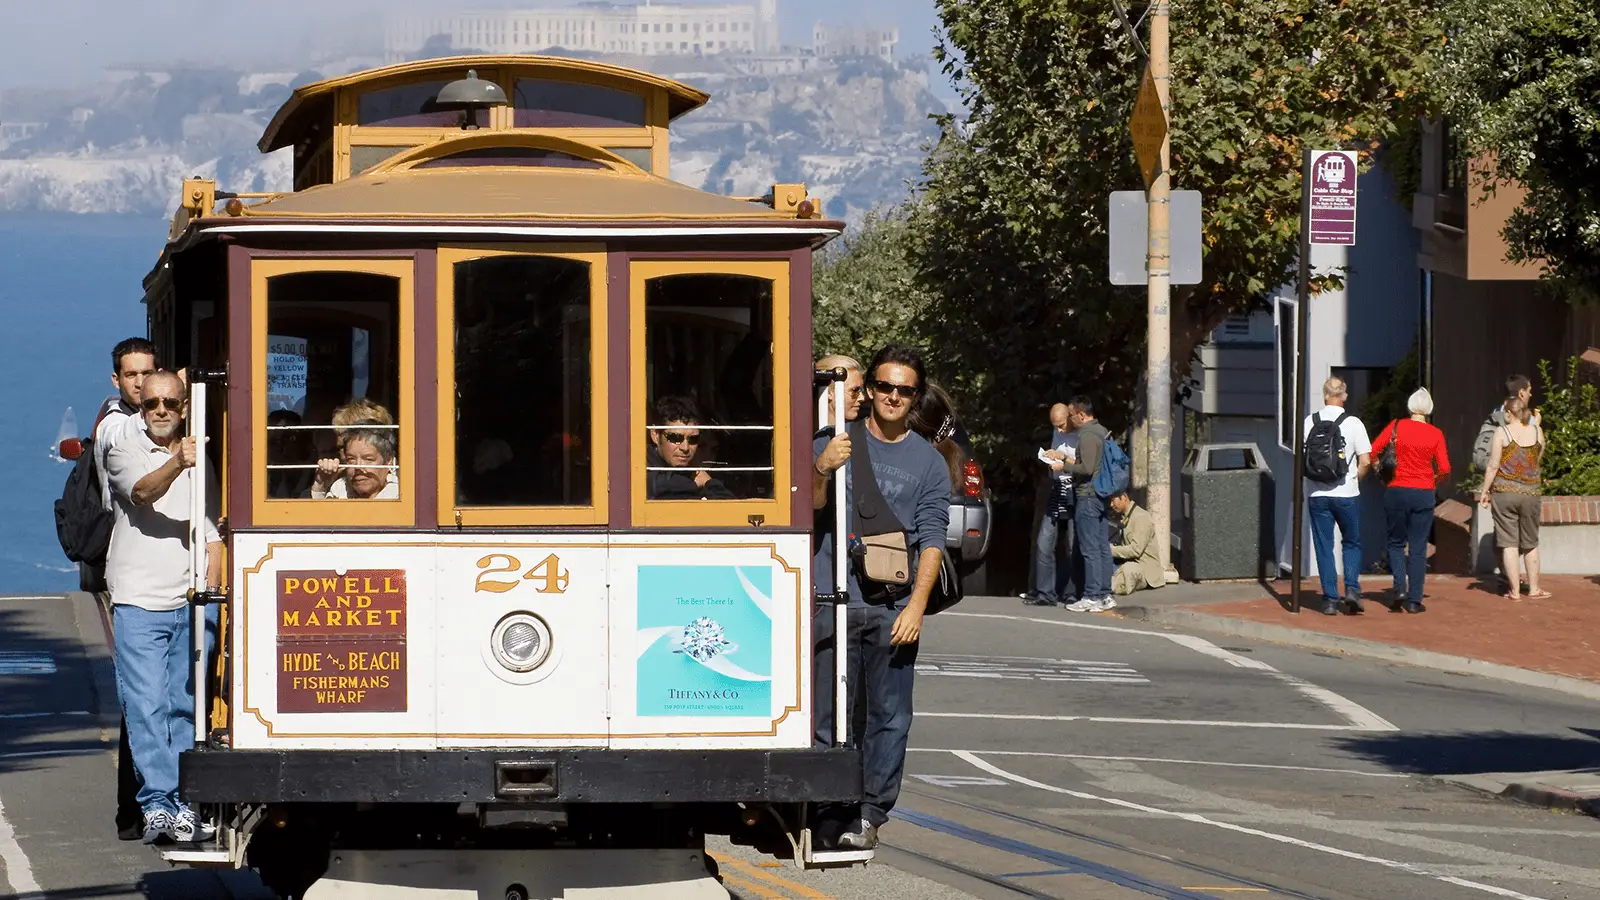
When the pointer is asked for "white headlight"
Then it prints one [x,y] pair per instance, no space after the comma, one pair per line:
[520,641]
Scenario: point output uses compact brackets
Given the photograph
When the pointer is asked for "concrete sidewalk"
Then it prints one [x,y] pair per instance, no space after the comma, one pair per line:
[1469,628]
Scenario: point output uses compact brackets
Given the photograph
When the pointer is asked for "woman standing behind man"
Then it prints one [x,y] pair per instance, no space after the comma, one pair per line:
[1511,490]
[1420,464]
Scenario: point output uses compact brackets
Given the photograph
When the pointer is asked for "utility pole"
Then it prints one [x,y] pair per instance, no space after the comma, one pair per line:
[1158,356]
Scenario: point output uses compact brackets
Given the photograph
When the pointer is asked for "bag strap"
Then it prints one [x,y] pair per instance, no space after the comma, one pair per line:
[871,514]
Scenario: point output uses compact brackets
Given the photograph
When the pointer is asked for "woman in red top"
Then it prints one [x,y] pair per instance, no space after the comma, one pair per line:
[1409,501]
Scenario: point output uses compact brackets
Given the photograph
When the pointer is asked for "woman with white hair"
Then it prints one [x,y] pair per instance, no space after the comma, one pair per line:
[1412,460]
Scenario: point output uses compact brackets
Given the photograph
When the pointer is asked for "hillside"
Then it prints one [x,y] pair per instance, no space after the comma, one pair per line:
[854,132]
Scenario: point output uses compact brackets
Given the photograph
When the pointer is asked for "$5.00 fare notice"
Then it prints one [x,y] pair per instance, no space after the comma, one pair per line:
[342,641]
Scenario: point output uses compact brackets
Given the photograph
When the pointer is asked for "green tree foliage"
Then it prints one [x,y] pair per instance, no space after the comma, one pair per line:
[865,291]
[1011,240]
[1570,413]
[1521,78]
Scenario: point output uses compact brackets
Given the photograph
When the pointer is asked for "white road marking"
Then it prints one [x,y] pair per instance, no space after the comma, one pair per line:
[1156,759]
[31,754]
[960,780]
[1411,868]
[1116,720]
[1028,668]
[41,715]
[19,663]
[18,870]
[1359,717]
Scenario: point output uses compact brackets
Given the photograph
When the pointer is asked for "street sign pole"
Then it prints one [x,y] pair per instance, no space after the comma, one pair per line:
[1158,353]
[1327,217]
[1301,348]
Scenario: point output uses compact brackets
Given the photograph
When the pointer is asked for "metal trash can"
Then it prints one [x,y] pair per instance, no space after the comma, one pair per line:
[1228,501]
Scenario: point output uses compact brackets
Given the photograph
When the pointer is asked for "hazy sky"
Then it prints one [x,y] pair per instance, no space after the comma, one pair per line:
[74,39]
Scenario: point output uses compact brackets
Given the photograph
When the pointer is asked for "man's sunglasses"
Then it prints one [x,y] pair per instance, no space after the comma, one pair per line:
[674,437]
[908,391]
[175,404]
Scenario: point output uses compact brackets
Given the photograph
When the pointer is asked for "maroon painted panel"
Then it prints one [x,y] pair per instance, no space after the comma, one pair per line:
[342,641]
[620,389]
[426,406]
[241,461]
[801,412]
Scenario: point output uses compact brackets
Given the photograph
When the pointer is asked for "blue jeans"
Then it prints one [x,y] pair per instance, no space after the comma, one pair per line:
[155,681]
[1053,571]
[1094,545]
[1410,515]
[1346,513]
[885,674]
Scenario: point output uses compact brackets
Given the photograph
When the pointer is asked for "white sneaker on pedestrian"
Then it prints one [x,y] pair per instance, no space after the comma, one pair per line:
[157,825]
[1084,605]
[188,829]
[1103,604]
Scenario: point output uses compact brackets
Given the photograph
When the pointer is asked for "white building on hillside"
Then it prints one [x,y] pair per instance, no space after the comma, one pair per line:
[834,41]
[647,28]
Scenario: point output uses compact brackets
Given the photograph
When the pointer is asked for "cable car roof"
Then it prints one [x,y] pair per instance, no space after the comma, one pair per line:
[310,102]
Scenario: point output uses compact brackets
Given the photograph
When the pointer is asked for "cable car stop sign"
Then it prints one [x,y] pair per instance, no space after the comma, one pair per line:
[1331,202]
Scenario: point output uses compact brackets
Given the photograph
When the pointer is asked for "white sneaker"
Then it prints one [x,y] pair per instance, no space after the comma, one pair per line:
[1084,605]
[1103,604]
[188,829]
[158,824]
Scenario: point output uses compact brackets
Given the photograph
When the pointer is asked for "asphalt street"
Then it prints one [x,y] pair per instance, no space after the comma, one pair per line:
[1054,755]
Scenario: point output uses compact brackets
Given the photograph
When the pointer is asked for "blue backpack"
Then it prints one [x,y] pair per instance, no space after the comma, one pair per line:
[1112,479]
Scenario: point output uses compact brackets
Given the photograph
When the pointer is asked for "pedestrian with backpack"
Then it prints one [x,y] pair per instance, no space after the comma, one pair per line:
[1096,474]
[1337,455]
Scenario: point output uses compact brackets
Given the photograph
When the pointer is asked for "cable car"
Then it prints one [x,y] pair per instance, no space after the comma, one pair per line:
[513,443]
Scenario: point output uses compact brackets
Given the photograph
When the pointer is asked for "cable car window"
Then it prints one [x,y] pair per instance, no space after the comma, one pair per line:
[333,386]
[639,156]
[522,375]
[709,388]
[511,156]
[411,106]
[364,156]
[541,103]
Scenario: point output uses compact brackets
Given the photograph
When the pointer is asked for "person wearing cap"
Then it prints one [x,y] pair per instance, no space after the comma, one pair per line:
[1421,463]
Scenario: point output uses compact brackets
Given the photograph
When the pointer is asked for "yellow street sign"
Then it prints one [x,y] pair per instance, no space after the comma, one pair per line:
[1149,128]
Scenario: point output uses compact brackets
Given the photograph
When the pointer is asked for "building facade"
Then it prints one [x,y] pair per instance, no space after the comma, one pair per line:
[648,29]
[832,41]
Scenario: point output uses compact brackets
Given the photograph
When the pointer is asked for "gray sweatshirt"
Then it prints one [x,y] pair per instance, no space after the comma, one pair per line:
[1091,446]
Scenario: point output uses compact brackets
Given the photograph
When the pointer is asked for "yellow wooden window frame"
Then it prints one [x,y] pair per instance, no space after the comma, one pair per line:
[711,513]
[333,513]
[599,418]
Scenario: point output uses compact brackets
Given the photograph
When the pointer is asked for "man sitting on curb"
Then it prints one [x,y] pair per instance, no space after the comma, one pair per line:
[1138,564]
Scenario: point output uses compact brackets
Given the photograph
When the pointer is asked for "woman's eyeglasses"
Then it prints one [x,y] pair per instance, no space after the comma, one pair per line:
[174,404]
[674,437]
[908,391]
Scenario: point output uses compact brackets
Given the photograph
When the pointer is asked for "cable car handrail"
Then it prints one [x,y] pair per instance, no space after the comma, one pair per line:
[356,426]
[277,467]
[713,427]
[710,468]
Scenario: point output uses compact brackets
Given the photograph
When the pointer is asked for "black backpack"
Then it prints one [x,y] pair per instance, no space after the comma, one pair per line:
[83,524]
[1325,460]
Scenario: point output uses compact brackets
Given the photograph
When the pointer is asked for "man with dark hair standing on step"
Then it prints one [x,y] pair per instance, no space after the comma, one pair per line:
[131,361]
[885,620]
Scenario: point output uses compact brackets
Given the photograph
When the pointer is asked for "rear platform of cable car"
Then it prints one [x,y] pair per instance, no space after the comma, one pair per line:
[514,442]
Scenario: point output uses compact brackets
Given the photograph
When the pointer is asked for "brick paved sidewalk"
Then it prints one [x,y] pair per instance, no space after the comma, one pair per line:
[1466,617]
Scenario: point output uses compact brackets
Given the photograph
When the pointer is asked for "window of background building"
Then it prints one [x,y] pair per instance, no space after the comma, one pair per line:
[332,338]
[708,340]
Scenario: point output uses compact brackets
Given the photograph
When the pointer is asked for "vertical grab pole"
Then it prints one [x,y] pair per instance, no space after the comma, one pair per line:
[841,581]
[197,550]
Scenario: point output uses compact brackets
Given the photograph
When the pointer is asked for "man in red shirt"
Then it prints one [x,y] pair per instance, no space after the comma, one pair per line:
[1419,463]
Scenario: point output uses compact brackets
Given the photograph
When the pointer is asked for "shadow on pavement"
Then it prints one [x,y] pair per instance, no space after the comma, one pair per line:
[84,893]
[44,713]
[1469,753]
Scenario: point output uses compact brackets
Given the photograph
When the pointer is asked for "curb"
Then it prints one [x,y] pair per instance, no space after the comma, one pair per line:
[1532,794]
[1299,637]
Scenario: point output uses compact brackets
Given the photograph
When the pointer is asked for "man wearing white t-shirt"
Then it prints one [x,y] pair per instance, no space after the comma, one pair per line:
[1337,502]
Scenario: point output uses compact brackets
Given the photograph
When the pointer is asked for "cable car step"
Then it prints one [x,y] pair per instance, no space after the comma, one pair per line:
[827,859]
[197,856]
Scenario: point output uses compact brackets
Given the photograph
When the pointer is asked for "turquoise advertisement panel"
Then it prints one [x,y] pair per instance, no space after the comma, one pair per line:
[704,641]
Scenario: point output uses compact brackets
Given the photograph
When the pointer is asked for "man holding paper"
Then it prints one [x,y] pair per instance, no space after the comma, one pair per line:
[1054,582]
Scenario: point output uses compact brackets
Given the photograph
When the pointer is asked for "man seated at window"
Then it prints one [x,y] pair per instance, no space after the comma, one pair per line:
[287,445]
[674,437]
[364,469]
